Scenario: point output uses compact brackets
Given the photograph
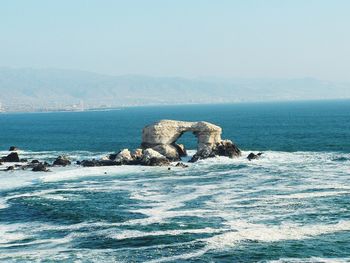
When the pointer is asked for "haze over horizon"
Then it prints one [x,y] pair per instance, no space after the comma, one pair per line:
[226,39]
[54,54]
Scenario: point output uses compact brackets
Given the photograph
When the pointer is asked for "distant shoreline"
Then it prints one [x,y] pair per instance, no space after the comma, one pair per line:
[182,104]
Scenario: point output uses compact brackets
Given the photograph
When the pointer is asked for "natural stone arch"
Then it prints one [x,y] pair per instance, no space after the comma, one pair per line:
[162,136]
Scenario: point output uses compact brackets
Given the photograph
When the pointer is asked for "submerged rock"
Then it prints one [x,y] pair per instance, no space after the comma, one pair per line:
[10,168]
[253,156]
[93,162]
[13,148]
[40,167]
[62,161]
[181,165]
[89,163]
[12,157]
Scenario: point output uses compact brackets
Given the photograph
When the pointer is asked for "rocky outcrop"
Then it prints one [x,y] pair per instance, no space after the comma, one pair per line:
[253,156]
[124,157]
[162,136]
[94,162]
[12,157]
[40,167]
[62,161]
[153,158]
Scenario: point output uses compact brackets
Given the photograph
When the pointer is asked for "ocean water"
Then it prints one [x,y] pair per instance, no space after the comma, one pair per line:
[292,205]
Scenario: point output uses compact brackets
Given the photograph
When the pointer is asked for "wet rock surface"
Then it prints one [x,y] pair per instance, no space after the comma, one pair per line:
[62,161]
[253,156]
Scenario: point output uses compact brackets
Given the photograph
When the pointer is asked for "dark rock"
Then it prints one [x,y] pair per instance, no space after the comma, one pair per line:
[62,161]
[40,167]
[226,148]
[112,156]
[93,162]
[35,161]
[12,157]
[89,163]
[204,153]
[13,148]
[157,162]
[181,165]
[23,160]
[181,150]
[10,168]
[253,156]
[223,148]
[108,163]
[169,168]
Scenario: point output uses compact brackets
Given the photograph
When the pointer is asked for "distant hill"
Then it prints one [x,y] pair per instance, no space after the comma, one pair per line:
[51,89]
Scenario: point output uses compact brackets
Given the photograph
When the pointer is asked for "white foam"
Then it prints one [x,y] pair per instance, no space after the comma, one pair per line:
[244,231]
[125,234]
[310,260]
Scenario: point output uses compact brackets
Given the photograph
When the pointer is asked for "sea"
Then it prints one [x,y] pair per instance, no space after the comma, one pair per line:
[291,205]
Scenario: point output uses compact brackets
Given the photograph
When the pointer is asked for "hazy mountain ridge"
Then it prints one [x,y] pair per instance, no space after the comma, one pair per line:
[53,89]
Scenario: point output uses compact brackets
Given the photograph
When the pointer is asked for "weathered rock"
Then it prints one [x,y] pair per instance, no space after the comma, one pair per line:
[35,161]
[124,157]
[166,132]
[161,136]
[62,161]
[169,151]
[153,158]
[12,157]
[137,154]
[105,158]
[13,148]
[253,156]
[40,167]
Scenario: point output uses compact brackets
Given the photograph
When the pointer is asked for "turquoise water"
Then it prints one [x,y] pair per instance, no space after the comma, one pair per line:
[292,205]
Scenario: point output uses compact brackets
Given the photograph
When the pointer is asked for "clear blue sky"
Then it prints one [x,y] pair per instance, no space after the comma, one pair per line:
[190,38]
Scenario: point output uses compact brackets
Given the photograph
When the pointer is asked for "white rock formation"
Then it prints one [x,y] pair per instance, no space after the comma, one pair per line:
[124,156]
[162,135]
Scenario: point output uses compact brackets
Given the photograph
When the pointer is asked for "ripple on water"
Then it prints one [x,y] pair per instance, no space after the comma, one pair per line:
[284,206]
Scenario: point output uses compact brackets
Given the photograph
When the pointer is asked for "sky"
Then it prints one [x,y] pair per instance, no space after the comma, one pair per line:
[186,38]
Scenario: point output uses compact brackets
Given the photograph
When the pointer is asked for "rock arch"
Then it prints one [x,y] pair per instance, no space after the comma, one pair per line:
[162,136]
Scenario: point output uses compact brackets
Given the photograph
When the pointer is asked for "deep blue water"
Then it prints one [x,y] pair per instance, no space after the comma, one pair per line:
[292,205]
[297,126]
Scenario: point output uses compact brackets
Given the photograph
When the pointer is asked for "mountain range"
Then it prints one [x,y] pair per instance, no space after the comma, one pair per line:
[26,89]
